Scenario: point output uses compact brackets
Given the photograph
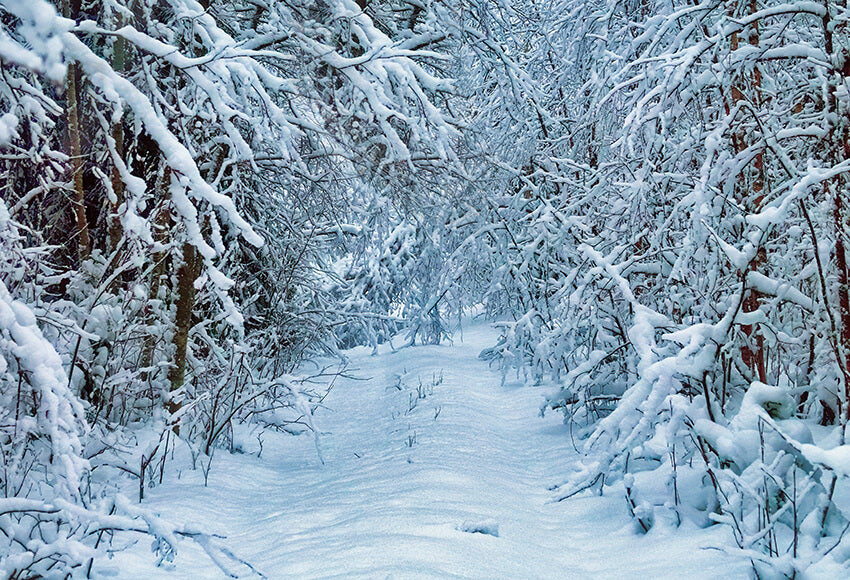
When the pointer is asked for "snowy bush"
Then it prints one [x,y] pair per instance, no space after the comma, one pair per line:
[671,240]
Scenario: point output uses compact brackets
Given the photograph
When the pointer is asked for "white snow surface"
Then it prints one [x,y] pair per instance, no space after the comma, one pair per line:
[403,494]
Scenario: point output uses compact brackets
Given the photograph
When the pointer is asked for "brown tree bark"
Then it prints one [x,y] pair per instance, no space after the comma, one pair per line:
[838,150]
[842,230]
[752,188]
[186,275]
[162,225]
[116,230]
[71,10]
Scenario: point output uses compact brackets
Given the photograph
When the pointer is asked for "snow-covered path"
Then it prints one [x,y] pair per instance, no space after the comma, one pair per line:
[433,469]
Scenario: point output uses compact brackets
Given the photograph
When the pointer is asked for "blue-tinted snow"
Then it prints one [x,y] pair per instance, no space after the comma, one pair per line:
[407,467]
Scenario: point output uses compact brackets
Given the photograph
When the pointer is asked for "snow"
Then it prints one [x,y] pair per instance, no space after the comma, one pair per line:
[61,416]
[836,459]
[179,158]
[8,124]
[432,469]
[40,25]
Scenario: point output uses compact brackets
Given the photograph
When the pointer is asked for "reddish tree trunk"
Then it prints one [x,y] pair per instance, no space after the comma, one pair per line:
[752,186]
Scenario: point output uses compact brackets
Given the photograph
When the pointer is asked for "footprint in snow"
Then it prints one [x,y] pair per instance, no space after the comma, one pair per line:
[488,527]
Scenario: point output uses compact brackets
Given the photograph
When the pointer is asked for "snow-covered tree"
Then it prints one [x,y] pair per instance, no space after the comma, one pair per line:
[210,152]
[669,229]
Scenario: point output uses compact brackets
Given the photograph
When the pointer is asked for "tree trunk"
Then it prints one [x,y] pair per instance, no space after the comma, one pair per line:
[838,149]
[752,188]
[186,275]
[116,230]
[75,149]
[843,293]
[162,226]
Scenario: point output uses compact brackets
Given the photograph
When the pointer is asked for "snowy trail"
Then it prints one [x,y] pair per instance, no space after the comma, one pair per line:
[427,445]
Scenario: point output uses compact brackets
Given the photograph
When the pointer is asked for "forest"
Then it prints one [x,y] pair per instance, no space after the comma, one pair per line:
[648,198]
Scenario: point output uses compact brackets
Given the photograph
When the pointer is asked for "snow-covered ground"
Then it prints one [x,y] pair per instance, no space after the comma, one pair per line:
[432,469]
